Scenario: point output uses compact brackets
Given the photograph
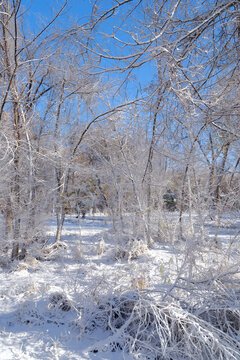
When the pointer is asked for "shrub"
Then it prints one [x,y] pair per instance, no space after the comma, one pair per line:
[143,327]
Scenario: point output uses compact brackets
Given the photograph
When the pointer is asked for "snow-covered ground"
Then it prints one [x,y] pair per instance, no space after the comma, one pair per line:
[34,328]
[43,302]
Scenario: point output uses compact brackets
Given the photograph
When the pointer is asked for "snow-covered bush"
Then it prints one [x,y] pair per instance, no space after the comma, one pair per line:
[52,309]
[158,330]
[59,301]
[130,249]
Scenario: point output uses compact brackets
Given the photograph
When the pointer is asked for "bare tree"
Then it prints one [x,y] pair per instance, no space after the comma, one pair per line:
[23,84]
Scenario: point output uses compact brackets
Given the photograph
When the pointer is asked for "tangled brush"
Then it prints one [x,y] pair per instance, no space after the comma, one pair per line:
[140,326]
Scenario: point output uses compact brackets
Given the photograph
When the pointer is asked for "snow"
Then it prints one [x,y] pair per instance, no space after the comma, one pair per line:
[29,329]
[42,302]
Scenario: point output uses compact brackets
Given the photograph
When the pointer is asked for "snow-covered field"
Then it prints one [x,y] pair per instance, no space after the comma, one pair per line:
[45,304]
[34,328]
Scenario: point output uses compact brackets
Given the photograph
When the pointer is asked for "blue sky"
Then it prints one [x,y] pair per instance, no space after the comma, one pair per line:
[40,11]
[45,9]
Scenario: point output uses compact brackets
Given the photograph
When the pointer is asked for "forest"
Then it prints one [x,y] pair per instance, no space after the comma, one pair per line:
[120,157]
